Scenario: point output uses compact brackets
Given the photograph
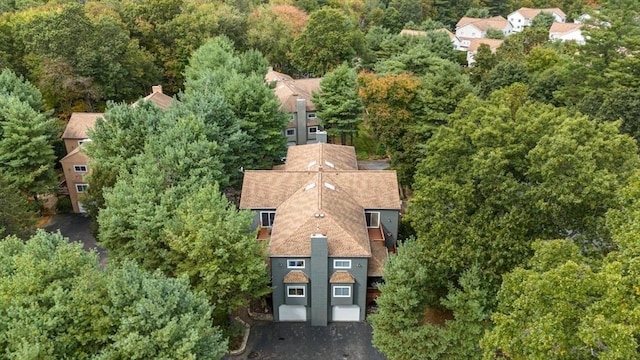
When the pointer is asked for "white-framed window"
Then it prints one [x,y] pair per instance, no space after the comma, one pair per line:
[291,132]
[342,264]
[81,187]
[313,129]
[80,168]
[80,142]
[295,291]
[267,218]
[341,291]
[295,264]
[373,219]
[311,115]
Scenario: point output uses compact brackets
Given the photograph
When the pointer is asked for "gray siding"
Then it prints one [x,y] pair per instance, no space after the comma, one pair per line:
[278,271]
[389,221]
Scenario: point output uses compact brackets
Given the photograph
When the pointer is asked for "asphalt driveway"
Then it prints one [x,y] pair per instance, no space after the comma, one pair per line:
[299,341]
[77,228]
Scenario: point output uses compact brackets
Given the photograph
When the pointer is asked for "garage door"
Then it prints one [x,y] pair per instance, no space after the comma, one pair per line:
[346,313]
[293,313]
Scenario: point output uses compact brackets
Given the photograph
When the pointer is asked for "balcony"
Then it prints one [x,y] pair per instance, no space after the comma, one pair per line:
[263,233]
[376,233]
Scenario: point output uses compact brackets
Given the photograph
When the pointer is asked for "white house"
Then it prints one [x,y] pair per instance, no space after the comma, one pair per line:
[468,29]
[566,32]
[493,44]
[523,17]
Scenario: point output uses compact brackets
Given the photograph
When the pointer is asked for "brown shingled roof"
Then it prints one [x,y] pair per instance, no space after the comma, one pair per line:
[296,277]
[530,13]
[492,43]
[289,90]
[563,28]
[321,190]
[496,22]
[378,256]
[330,157]
[342,277]
[78,125]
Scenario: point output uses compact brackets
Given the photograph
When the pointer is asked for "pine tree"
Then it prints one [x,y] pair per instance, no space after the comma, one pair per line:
[338,104]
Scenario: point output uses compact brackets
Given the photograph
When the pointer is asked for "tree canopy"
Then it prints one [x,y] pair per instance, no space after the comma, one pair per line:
[55,302]
[338,104]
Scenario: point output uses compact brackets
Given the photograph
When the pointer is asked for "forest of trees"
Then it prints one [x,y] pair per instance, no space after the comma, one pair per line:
[520,171]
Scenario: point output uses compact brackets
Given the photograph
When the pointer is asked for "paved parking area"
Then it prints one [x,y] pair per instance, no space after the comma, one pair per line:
[299,341]
[77,228]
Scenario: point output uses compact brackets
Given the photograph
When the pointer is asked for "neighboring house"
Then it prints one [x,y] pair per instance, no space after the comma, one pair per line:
[476,28]
[474,45]
[295,99]
[566,32]
[523,17]
[74,165]
[157,97]
[329,228]
[454,39]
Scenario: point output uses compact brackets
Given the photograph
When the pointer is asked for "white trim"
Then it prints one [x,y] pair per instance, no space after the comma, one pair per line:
[377,223]
[295,264]
[78,168]
[341,287]
[80,188]
[311,115]
[296,287]
[346,266]
[84,141]
[315,130]
[270,219]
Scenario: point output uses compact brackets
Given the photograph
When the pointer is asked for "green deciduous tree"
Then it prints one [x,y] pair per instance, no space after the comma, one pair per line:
[212,243]
[338,104]
[506,172]
[328,40]
[403,329]
[54,301]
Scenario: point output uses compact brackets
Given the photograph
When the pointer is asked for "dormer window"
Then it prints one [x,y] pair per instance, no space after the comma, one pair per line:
[80,168]
[311,115]
[80,142]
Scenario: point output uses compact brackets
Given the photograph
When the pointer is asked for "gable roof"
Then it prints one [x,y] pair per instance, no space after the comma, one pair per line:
[75,154]
[342,277]
[289,90]
[296,277]
[474,45]
[158,98]
[78,125]
[328,156]
[310,196]
[496,22]
[564,28]
[530,13]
